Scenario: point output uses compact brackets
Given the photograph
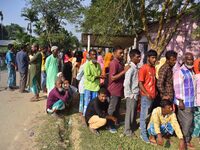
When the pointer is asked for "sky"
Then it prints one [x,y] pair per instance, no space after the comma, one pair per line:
[11,10]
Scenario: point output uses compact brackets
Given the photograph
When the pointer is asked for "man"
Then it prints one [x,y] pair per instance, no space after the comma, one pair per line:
[43,50]
[35,72]
[51,67]
[147,84]
[92,74]
[57,98]
[165,76]
[11,66]
[96,114]
[185,93]
[115,85]
[163,122]
[131,92]
[22,60]
[72,90]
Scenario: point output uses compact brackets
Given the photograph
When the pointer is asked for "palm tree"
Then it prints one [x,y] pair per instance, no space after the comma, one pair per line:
[1,15]
[31,16]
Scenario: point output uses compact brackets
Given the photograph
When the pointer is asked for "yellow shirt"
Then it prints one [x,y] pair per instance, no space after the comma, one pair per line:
[43,62]
[157,119]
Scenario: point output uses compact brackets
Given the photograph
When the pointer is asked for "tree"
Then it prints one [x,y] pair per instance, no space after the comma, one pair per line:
[170,14]
[16,32]
[109,18]
[54,14]
[127,17]
[31,16]
[1,15]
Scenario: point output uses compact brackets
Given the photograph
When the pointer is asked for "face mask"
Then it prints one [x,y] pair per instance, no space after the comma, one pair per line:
[60,89]
[189,66]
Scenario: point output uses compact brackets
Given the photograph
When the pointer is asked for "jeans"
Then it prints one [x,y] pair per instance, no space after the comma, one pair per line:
[81,103]
[43,80]
[88,96]
[145,110]
[11,76]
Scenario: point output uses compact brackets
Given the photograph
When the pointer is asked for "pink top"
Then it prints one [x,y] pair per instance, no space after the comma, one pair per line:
[100,61]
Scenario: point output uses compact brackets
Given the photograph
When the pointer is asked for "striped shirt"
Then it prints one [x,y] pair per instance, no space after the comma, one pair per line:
[184,86]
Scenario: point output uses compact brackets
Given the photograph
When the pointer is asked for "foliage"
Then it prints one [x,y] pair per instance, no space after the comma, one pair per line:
[196,33]
[31,16]
[107,17]
[52,16]
[16,32]
[126,17]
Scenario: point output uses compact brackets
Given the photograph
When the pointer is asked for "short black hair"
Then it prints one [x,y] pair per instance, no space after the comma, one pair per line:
[117,48]
[92,50]
[170,53]
[134,52]
[164,103]
[151,52]
[10,46]
[102,90]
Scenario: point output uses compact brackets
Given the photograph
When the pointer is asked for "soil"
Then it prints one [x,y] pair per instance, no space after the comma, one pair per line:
[18,117]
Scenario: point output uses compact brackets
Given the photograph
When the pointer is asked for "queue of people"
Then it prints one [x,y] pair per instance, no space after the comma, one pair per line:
[169,102]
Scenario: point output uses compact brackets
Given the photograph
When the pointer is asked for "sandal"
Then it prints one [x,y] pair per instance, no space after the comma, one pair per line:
[190,146]
[152,140]
[34,99]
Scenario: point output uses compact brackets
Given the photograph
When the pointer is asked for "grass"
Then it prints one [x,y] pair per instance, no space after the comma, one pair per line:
[54,134]
[58,134]
[108,141]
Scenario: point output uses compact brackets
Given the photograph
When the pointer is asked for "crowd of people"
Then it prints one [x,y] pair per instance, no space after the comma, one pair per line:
[167,91]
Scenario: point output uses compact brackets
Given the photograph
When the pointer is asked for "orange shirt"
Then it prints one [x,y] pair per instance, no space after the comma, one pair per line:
[147,75]
[196,66]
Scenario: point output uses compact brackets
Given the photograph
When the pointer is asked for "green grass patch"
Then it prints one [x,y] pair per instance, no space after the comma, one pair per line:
[54,134]
[109,141]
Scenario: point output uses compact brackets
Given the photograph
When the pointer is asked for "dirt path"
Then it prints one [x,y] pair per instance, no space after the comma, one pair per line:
[17,118]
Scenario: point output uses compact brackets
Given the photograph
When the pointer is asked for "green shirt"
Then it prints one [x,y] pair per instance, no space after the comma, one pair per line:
[91,74]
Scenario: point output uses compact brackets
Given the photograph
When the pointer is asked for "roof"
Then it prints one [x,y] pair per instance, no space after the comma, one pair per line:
[124,41]
[6,42]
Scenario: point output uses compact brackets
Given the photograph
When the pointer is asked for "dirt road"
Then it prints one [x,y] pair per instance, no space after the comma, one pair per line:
[17,116]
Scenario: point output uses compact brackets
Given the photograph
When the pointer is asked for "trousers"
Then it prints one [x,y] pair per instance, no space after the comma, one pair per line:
[23,80]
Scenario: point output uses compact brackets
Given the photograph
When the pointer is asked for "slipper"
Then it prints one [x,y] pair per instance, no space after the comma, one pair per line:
[34,99]
[190,146]
[152,140]
[94,131]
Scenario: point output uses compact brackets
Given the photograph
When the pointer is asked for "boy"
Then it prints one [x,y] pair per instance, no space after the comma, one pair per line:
[163,122]
[96,115]
[147,84]
[131,91]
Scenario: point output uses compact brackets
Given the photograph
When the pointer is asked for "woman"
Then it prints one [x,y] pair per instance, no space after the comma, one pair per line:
[67,67]
[35,72]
